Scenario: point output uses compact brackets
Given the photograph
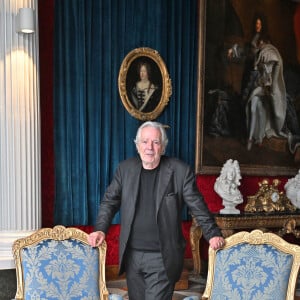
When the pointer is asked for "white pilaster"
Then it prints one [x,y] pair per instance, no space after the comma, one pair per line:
[20,187]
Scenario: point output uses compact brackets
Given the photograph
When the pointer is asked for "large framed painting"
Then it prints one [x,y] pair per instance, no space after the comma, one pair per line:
[144,83]
[249,86]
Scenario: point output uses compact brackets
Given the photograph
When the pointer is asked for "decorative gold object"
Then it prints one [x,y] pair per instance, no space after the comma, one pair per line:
[290,228]
[269,199]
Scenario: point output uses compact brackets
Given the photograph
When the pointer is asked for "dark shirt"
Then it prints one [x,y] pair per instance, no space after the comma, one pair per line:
[144,235]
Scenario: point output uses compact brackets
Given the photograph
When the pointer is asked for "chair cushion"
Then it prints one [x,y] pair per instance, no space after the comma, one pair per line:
[254,272]
[61,270]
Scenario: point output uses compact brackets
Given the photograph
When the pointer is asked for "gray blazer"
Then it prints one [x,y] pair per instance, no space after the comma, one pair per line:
[176,184]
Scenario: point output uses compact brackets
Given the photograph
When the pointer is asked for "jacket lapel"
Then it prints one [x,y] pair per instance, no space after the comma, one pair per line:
[165,174]
[134,184]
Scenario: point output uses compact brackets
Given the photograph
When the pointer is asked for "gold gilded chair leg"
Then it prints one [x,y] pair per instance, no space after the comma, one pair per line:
[195,236]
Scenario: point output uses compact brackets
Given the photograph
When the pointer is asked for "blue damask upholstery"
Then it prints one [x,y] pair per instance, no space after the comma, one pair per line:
[253,265]
[60,270]
[65,268]
[251,272]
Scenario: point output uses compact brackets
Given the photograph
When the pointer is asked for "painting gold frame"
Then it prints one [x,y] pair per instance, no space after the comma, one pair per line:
[212,152]
[128,76]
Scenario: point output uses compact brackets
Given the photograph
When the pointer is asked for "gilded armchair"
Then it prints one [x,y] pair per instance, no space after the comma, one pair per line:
[58,263]
[253,265]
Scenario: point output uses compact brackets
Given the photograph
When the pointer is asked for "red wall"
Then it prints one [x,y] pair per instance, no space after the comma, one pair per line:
[46,30]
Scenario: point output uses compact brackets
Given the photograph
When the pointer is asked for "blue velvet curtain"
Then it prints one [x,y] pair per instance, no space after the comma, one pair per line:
[93,130]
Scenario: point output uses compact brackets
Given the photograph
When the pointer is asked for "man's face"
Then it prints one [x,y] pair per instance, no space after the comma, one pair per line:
[149,147]
[258,25]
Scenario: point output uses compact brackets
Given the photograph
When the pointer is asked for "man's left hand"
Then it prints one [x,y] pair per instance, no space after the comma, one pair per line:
[217,242]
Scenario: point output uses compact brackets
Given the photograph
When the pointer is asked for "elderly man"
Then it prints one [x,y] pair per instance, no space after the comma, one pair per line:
[150,191]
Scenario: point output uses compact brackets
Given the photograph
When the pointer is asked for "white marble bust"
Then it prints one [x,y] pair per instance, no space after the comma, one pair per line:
[227,187]
[292,190]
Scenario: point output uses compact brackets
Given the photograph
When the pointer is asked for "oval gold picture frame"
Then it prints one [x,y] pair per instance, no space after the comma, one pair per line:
[147,107]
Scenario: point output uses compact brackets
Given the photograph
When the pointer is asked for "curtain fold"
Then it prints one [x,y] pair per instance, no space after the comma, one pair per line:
[93,130]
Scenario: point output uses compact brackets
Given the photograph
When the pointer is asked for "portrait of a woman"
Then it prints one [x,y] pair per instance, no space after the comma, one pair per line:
[144,83]
[145,93]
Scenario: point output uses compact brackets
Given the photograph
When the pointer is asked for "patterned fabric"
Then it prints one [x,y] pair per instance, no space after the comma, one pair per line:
[264,275]
[61,270]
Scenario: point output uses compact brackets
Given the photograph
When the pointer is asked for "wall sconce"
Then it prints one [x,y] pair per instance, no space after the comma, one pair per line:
[25,20]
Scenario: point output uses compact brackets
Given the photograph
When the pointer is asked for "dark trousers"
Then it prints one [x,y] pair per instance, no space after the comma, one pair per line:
[146,276]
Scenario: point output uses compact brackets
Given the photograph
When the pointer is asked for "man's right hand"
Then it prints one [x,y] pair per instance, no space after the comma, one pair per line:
[96,238]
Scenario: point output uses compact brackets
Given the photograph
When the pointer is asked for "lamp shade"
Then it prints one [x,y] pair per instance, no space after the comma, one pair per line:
[25,20]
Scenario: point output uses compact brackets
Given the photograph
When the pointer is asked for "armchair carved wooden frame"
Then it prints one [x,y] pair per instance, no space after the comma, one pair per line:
[58,263]
[253,265]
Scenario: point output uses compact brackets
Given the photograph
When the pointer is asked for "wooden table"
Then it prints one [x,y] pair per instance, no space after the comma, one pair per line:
[280,223]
